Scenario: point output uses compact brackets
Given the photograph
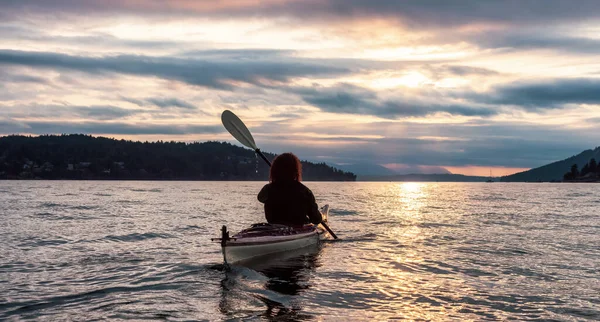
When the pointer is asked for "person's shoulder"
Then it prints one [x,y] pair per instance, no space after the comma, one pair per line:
[263,195]
[267,187]
[302,187]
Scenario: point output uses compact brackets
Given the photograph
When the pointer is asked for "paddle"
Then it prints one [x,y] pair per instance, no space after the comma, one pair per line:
[240,132]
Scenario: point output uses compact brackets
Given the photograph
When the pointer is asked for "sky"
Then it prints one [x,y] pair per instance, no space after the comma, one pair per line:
[468,86]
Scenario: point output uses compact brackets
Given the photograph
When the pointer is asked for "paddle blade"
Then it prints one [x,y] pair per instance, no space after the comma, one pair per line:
[238,129]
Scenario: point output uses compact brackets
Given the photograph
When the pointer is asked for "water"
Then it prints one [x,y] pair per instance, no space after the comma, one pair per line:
[422,251]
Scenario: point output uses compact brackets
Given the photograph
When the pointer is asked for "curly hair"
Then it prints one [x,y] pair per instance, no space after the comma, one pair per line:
[286,167]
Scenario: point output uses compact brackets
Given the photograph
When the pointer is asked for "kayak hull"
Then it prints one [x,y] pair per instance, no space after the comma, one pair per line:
[239,251]
[266,239]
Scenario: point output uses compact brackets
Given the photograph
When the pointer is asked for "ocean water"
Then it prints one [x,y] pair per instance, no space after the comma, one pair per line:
[90,250]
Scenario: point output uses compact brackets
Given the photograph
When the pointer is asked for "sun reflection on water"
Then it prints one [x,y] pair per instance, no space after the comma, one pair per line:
[412,197]
[407,206]
[406,272]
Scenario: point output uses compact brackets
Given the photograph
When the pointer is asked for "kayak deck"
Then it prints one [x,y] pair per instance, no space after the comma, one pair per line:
[271,233]
[265,239]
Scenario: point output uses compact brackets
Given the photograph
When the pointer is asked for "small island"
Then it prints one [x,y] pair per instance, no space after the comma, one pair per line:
[84,157]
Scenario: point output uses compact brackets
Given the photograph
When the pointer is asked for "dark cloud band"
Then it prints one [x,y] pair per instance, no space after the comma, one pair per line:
[52,127]
[413,13]
[350,99]
[545,94]
[216,73]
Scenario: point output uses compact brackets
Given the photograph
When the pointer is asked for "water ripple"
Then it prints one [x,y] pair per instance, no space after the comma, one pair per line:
[136,237]
[413,251]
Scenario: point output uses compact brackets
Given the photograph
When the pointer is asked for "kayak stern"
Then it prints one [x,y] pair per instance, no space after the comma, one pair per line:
[265,239]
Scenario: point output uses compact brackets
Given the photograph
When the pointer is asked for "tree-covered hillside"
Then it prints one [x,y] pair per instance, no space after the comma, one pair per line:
[590,172]
[555,171]
[78,156]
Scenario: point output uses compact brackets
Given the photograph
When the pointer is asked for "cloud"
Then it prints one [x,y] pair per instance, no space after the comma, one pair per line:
[170,102]
[166,104]
[10,77]
[135,101]
[545,94]
[350,99]
[594,120]
[253,53]
[53,127]
[442,13]
[412,13]
[104,112]
[23,33]
[215,73]
[94,112]
[535,39]
[459,70]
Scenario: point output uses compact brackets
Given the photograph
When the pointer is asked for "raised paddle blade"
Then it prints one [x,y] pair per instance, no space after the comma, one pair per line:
[324,212]
[238,129]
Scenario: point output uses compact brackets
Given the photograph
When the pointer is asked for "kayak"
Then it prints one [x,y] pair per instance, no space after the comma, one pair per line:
[268,239]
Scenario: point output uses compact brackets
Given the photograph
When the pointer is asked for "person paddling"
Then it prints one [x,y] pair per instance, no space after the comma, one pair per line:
[287,201]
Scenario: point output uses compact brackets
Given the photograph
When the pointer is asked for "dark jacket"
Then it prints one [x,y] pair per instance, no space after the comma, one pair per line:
[289,203]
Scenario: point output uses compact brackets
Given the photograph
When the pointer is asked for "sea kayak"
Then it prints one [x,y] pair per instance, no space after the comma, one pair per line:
[267,239]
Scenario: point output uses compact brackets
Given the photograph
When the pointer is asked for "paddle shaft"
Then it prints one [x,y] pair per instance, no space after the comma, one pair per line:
[329,230]
[322,222]
[263,156]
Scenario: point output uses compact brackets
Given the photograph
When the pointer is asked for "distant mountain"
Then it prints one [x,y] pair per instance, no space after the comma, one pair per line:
[373,169]
[442,177]
[366,169]
[422,169]
[78,156]
[555,170]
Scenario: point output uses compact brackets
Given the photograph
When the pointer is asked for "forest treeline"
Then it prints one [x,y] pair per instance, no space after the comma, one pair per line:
[78,156]
[589,172]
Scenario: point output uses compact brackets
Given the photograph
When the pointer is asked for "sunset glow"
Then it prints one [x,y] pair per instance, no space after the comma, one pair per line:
[407,86]
[485,172]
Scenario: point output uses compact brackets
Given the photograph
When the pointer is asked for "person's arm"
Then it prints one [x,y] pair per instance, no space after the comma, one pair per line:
[313,214]
[263,195]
